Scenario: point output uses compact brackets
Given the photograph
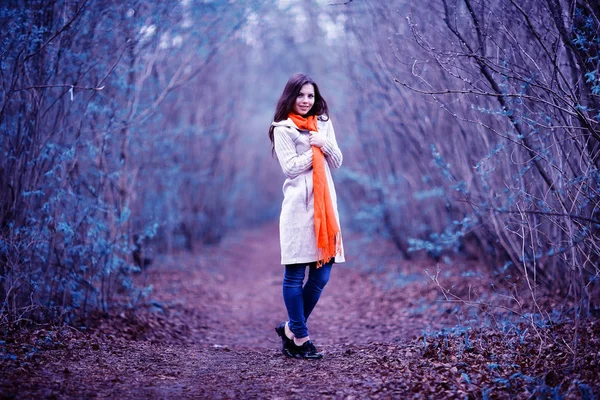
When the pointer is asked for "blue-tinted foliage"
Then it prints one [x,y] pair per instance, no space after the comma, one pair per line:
[96,162]
[585,391]
[524,188]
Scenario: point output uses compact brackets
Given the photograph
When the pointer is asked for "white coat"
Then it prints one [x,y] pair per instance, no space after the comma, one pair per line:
[296,222]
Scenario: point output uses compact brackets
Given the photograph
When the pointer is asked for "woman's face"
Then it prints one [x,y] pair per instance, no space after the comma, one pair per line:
[305,99]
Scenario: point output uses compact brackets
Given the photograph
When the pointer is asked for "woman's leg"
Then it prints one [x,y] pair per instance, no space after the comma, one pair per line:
[293,298]
[317,279]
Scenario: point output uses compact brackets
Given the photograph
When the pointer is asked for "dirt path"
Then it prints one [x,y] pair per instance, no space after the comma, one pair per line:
[208,333]
[237,292]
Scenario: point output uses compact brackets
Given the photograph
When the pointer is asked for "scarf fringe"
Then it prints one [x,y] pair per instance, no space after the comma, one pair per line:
[323,258]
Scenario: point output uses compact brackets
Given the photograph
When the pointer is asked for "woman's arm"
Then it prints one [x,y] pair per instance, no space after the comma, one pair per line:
[292,163]
[332,152]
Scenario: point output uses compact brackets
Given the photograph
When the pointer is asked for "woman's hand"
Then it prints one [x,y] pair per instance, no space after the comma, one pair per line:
[316,139]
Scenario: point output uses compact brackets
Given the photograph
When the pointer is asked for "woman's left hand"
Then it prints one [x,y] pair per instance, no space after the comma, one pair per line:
[316,139]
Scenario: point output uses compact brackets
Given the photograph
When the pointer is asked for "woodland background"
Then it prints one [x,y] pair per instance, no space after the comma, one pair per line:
[130,130]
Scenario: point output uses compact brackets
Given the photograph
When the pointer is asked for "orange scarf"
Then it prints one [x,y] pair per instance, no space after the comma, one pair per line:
[327,230]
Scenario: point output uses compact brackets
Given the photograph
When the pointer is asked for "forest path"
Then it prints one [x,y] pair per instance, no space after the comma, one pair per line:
[209,332]
[235,288]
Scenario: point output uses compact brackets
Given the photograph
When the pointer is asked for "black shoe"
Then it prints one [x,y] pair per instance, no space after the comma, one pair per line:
[286,343]
[307,351]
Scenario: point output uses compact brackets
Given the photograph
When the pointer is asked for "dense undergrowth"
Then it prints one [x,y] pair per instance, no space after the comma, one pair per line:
[98,162]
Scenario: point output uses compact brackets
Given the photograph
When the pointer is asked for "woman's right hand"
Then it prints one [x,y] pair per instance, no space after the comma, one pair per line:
[316,139]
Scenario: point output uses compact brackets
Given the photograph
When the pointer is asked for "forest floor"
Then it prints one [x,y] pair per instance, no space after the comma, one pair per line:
[385,326]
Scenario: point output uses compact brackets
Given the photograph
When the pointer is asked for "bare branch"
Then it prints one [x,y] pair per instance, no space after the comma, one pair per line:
[97,89]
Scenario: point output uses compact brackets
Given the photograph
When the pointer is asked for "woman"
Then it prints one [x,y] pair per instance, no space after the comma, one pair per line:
[304,141]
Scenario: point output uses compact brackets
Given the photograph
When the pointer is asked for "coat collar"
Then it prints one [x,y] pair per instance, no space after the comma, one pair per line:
[288,123]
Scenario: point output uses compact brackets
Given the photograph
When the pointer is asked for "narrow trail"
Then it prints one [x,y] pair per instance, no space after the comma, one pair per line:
[234,291]
[237,292]
[207,331]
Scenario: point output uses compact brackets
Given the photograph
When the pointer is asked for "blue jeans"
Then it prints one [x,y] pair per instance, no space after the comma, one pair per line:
[299,300]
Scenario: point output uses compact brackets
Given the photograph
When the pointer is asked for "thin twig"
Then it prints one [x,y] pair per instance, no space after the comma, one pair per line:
[97,89]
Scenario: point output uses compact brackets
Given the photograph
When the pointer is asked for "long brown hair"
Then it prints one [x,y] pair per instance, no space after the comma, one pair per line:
[288,98]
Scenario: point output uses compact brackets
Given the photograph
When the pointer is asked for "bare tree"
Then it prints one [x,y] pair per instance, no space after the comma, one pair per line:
[505,135]
[93,109]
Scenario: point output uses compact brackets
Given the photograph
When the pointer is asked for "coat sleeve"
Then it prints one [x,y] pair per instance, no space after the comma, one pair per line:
[292,163]
[332,152]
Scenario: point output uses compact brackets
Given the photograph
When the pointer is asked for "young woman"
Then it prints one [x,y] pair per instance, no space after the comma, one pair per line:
[304,141]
